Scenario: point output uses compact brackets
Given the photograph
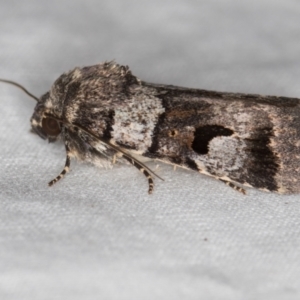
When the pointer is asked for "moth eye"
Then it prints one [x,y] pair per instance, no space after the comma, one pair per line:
[51,127]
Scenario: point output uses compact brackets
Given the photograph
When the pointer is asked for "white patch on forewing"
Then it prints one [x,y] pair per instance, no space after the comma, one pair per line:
[226,154]
[242,117]
[243,120]
[135,122]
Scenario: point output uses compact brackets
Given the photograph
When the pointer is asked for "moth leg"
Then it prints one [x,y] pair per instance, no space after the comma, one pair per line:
[65,169]
[145,172]
[235,187]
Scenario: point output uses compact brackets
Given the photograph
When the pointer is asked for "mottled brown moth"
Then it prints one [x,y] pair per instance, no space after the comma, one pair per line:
[104,113]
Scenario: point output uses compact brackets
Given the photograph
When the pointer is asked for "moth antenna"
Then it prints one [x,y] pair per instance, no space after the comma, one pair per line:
[104,142]
[20,87]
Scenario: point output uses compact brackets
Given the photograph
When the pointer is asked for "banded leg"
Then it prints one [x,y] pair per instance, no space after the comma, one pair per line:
[145,172]
[235,187]
[65,169]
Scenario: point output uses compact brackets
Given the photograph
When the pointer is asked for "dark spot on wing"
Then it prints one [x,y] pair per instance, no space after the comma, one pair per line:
[204,134]
[109,123]
[262,164]
[191,164]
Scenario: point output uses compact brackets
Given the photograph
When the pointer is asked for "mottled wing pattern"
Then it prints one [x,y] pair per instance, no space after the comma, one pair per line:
[248,139]
[251,140]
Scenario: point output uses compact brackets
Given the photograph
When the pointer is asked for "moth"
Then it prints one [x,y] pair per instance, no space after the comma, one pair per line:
[103,114]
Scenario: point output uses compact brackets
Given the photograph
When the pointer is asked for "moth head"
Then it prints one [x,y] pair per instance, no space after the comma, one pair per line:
[45,127]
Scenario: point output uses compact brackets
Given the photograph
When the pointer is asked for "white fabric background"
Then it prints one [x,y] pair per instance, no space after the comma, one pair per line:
[98,234]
